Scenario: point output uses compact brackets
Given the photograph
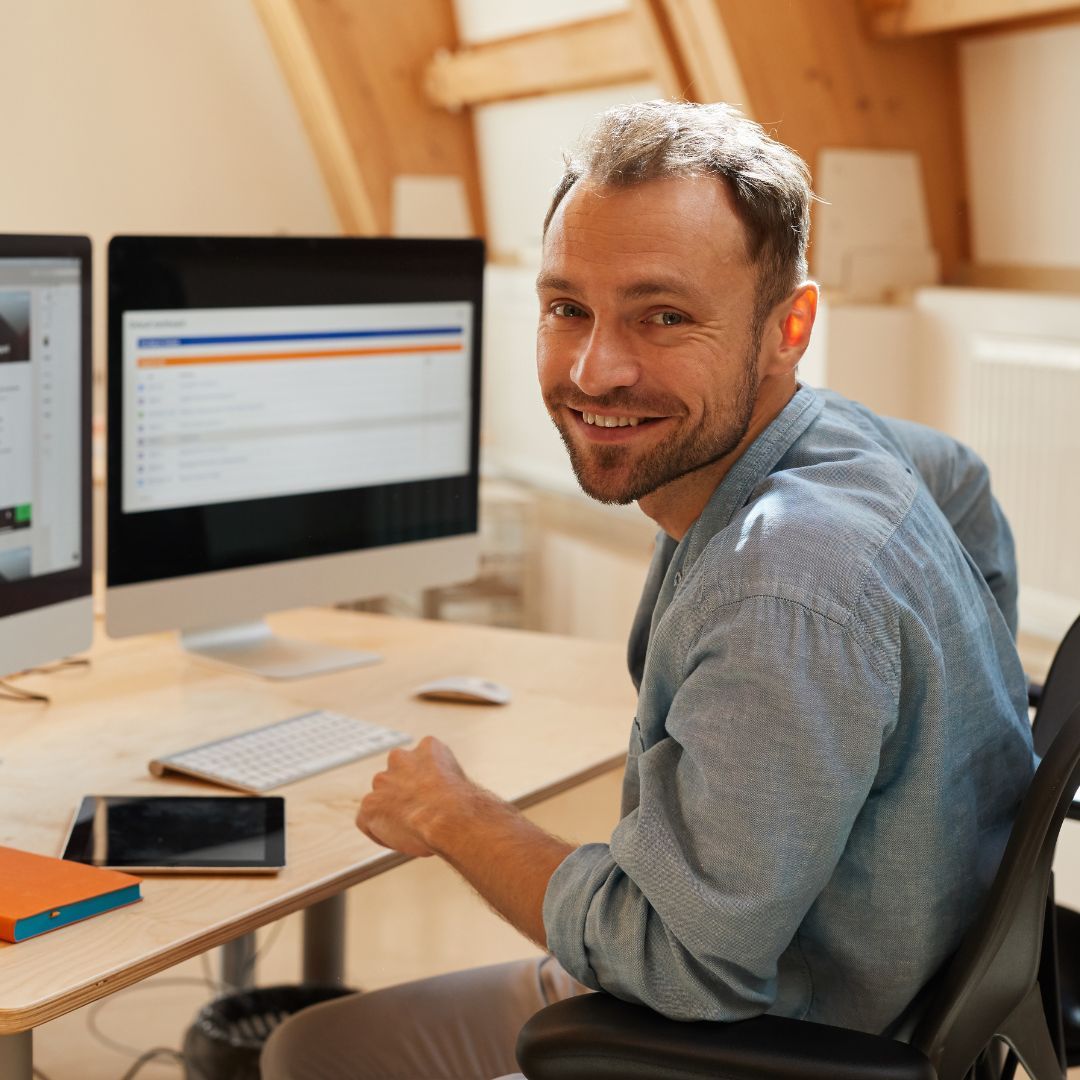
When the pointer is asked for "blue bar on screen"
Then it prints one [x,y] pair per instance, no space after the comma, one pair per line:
[315,335]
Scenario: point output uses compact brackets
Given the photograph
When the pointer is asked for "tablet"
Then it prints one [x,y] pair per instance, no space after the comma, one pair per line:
[179,834]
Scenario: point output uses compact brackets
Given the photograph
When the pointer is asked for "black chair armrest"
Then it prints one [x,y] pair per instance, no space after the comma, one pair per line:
[1035,693]
[598,1037]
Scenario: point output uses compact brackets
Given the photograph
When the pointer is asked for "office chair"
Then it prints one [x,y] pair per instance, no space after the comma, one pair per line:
[1052,701]
[991,989]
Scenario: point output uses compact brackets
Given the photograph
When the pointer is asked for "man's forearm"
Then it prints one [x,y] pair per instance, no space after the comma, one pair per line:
[505,857]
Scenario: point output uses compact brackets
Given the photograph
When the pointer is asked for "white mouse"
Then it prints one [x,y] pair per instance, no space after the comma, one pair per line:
[470,688]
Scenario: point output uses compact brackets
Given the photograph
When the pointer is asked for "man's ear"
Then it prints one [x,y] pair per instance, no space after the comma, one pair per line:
[794,321]
[798,320]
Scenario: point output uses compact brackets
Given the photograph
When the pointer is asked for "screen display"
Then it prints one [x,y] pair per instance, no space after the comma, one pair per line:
[179,833]
[281,398]
[225,405]
[41,528]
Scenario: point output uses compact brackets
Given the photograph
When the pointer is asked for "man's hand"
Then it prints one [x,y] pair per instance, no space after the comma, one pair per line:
[406,799]
[423,804]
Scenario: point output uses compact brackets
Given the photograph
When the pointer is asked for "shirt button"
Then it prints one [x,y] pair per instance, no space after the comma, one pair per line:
[678,578]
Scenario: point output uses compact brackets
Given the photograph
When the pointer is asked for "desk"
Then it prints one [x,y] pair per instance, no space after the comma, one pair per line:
[569,721]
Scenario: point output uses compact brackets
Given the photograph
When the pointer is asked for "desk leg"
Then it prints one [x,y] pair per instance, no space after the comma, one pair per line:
[238,962]
[324,942]
[17,1056]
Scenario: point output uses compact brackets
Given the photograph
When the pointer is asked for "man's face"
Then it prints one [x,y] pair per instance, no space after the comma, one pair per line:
[645,348]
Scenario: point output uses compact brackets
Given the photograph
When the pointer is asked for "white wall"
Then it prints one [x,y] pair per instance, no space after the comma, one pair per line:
[485,20]
[520,147]
[136,116]
[1022,124]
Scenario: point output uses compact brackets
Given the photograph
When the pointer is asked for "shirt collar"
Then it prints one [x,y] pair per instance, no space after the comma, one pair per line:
[757,461]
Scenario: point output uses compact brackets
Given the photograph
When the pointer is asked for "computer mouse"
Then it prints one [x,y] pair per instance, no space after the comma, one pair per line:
[469,688]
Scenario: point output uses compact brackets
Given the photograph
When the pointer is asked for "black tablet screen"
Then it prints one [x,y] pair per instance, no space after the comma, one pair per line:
[179,833]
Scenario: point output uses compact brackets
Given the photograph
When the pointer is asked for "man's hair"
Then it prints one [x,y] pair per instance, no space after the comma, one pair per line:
[769,182]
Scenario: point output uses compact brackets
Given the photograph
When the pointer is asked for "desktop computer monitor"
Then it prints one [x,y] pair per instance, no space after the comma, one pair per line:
[292,421]
[46,610]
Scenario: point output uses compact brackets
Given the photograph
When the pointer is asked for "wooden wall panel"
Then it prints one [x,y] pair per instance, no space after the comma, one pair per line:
[361,84]
[891,18]
[815,76]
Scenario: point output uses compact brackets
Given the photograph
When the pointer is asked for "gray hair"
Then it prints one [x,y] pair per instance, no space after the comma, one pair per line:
[769,182]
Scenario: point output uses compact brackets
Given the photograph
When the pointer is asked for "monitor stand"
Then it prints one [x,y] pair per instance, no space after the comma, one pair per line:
[253,647]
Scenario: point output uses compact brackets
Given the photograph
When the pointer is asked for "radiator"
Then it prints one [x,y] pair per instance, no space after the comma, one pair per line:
[1022,414]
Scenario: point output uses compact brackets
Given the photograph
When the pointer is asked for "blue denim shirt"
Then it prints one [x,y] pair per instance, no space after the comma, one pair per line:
[831,738]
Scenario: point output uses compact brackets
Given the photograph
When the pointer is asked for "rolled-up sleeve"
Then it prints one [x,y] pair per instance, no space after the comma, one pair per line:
[746,798]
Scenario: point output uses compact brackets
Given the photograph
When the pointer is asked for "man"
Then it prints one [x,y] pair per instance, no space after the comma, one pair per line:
[831,735]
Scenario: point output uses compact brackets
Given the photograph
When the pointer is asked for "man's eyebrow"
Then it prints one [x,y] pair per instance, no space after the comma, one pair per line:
[643,290]
[553,283]
[639,290]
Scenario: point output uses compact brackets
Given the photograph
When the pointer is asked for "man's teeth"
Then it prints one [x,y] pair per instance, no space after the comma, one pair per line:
[610,421]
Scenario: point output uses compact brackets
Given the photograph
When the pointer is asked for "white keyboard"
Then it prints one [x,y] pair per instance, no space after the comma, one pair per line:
[277,754]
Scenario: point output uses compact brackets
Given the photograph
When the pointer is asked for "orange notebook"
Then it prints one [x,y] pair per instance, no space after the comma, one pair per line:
[38,894]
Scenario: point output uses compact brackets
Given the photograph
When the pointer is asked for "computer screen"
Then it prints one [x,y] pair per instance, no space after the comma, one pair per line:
[45,528]
[291,421]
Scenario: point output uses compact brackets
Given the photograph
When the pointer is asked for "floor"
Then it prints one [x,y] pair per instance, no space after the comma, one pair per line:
[418,920]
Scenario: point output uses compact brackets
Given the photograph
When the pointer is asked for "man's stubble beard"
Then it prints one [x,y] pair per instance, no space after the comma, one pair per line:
[696,449]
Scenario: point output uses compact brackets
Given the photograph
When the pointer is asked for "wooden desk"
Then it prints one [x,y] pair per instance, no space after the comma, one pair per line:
[569,721]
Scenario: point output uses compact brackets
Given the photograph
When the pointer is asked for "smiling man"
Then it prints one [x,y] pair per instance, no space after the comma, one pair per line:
[651,348]
[831,736]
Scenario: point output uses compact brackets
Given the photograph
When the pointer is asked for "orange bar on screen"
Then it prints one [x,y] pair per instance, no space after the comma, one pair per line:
[317,354]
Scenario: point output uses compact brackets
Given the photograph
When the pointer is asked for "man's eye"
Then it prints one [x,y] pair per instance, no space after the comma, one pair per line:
[568,311]
[666,318]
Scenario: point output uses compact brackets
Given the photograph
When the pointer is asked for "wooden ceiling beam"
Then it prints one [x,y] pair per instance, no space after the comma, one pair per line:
[349,189]
[355,69]
[695,34]
[577,56]
[906,18]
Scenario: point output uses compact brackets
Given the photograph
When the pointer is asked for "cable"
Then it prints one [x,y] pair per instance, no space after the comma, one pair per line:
[267,945]
[16,693]
[207,981]
[249,968]
[152,1055]
[59,665]
[95,1009]
[208,976]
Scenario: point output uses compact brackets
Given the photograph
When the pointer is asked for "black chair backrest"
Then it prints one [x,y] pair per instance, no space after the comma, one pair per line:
[1060,692]
[989,987]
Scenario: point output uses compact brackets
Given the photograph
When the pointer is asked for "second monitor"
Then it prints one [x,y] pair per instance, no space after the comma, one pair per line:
[291,421]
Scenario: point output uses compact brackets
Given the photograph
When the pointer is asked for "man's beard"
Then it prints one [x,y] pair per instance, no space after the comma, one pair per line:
[713,439]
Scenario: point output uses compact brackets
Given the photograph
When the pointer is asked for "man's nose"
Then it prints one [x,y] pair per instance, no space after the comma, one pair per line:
[606,363]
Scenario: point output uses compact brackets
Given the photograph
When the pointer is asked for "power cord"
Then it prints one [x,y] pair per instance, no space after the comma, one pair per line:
[153,1055]
[143,1058]
[17,693]
[59,665]
[95,1009]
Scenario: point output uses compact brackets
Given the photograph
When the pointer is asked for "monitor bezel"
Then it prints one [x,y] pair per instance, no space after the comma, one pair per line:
[131,560]
[61,586]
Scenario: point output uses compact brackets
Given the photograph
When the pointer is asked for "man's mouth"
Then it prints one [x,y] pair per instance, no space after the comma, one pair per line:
[610,421]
